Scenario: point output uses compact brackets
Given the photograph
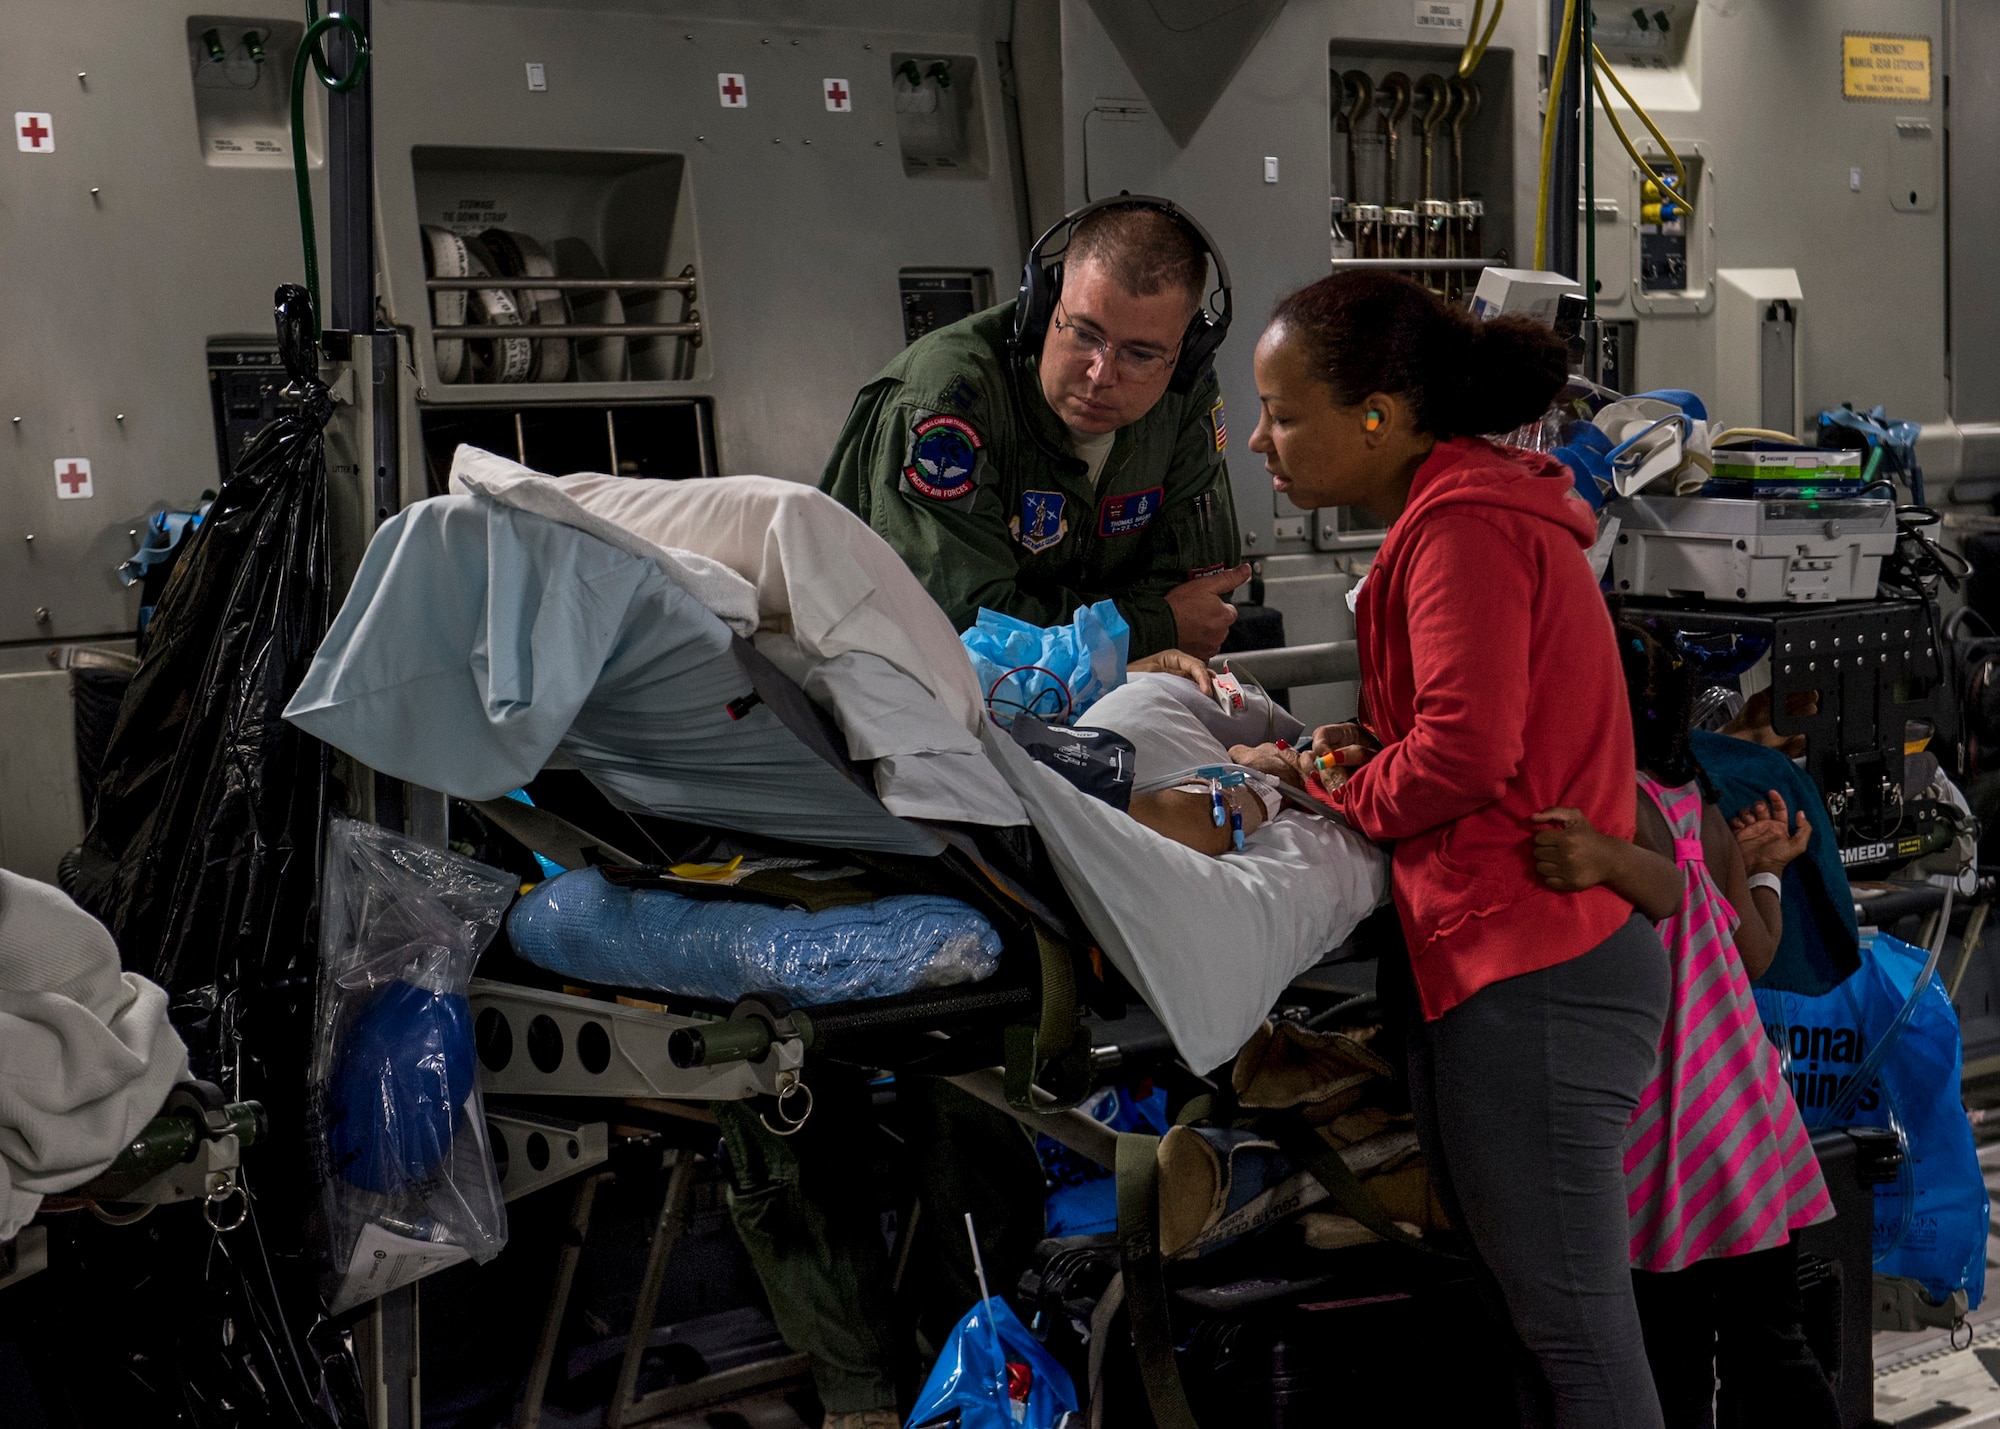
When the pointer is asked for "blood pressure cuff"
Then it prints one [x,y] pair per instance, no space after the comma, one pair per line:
[1096,761]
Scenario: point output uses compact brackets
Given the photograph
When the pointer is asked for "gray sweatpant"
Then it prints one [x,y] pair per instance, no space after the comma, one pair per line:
[1522,1094]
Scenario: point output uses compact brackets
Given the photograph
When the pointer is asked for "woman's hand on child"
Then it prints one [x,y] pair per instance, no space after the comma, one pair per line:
[1286,764]
[1175,662]
[1572,855]
[1770,834]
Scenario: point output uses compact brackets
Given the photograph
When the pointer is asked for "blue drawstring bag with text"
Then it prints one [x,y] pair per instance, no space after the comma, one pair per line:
[1054,672]
[970,1388]
[1082,1195]
[1879,1050]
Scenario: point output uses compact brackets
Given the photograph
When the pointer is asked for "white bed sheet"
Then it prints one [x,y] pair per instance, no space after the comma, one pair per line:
[1209,943]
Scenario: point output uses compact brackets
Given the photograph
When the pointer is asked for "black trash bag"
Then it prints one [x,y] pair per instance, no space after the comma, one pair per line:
[210,804]
[204,855]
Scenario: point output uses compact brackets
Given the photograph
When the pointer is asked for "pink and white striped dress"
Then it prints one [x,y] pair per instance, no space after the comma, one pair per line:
[1717,1161]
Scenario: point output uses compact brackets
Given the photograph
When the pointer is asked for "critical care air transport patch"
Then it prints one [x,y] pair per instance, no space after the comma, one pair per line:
[1129,513]
[944,458]
[1040,524]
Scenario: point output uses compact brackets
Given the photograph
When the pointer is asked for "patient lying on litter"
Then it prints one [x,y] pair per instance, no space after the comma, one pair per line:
[1167,711]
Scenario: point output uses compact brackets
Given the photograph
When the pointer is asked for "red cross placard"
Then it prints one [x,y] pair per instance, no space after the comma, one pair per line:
[35,133]
[839,96]
[73,478]
[734,95]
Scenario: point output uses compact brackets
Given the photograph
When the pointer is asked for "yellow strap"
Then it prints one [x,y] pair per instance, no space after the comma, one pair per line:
[706,872]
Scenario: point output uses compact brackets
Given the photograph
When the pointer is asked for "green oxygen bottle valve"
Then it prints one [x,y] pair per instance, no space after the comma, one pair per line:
[941,72]
[212,41]
[908,70]
[254,43]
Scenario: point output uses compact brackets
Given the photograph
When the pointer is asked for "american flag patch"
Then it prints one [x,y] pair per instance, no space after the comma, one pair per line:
[1221,425]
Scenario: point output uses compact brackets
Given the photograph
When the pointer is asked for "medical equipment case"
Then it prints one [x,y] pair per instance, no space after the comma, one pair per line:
[1750,552]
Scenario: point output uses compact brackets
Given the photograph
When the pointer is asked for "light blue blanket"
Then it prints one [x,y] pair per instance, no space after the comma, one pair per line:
[479,643]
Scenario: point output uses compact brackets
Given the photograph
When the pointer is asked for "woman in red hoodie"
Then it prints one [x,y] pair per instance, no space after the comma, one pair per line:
[1491,692]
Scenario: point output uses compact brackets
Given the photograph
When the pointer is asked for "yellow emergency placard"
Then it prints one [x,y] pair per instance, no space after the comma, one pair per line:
[1890,67]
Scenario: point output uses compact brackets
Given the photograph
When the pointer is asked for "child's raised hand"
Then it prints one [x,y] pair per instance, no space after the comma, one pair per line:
[1770,834]
[1572,855]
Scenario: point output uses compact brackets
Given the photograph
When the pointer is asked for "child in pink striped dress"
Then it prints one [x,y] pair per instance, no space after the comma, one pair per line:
[1719,1170]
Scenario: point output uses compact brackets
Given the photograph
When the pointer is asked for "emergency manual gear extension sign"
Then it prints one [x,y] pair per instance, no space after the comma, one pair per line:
[1891,68]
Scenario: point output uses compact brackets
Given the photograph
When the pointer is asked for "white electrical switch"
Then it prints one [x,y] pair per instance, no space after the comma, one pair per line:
[1270,168]
[1854,179]
[538,77]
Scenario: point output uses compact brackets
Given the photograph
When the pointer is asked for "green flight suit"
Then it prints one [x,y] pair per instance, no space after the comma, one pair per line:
[938,458]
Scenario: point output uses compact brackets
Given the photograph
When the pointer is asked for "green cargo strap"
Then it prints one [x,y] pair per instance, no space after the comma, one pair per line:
[1138,1172]
[1059,1026]
[1309,1149]
[1056,1053]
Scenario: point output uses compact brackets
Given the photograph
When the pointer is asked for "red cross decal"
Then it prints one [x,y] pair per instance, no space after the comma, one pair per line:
[732,89]
[836,93]
[33,131]
[74,476]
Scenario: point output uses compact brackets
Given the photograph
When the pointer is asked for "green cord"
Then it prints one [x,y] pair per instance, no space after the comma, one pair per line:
[310,51]
[1588,135]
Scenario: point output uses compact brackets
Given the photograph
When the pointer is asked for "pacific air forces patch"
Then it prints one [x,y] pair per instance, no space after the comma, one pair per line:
[943,460]
[1040,524]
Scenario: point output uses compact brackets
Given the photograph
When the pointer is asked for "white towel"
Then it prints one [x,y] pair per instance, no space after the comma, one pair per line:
[87,1055]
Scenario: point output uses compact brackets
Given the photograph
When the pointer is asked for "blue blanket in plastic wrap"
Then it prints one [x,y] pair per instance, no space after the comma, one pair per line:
[583,927]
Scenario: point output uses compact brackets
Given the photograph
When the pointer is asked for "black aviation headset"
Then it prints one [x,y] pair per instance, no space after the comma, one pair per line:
[1041,286]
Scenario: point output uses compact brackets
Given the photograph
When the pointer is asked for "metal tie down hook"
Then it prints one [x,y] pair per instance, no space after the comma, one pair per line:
[1438,101]
[1393,103]
[1466,92]
[1357,93]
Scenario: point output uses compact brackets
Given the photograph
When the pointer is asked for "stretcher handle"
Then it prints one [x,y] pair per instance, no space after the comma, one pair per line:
[716,1043]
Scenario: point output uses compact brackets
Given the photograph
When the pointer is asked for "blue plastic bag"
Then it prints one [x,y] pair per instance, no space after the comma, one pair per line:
[1586,451]
[403,1075]
[585,927]
[1053,672]
[1930,1225]
[1082,1195]
[1029,1391]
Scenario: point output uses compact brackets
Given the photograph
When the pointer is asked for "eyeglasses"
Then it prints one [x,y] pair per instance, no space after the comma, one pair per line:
[1136,363]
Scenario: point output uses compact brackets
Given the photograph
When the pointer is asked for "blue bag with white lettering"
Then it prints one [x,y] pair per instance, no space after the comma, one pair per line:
[1082,1195]
[1883,1050]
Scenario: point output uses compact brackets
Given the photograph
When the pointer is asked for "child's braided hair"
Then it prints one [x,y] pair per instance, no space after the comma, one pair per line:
[1661,687]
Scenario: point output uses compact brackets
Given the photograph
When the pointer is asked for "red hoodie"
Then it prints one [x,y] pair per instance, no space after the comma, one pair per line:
[1490,673]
